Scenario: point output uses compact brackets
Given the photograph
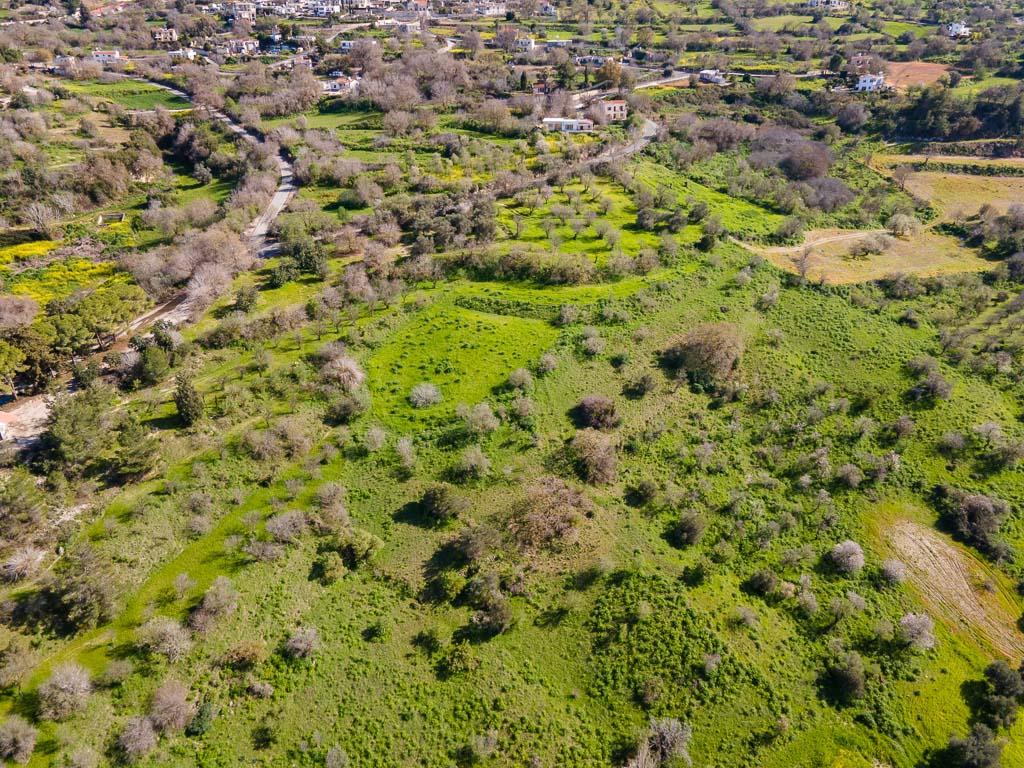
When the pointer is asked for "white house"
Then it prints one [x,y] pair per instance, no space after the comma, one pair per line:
[829,5]
[958,29]
[324,10]
[713,76]
[613,110]
[869,83]
[183,53]
[568,124]
[525,44]
[106,57]
[548,10]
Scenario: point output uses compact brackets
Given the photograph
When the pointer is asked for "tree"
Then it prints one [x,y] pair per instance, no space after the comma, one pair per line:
[442,504]
[12,362]
[17,739]
[707,354]
[978,749]
[138,739]
[188,401]
[64,693]
[81,429]
[170,711]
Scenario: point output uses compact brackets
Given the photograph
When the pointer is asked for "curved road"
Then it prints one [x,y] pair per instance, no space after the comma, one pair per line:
[29,414]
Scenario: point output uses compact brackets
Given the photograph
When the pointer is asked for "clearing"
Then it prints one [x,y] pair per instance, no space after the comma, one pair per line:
[905,74]
[926,253]
[957,196]
[958,586]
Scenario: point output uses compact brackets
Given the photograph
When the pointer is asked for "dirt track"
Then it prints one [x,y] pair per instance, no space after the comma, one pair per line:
[950,582]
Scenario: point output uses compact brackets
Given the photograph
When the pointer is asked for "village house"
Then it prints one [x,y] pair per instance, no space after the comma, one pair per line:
[712,76]
[106,57]
[187,54]
[242,12]
[592,60]
[548,10]
[165,35]
[829,5]
[568,124]
[243,47]
[65,65]
[525,44]
[871,83]
[613,110]
[958,29]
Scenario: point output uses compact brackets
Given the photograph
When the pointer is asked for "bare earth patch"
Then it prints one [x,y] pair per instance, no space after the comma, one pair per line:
[926,253]
[904,74]
[957,587]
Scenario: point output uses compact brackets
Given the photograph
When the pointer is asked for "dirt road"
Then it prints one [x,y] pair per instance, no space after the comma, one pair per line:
[30,413]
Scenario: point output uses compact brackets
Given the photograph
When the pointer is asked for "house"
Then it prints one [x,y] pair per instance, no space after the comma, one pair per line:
[525,44]
[490,9]
[548,10]
[871,83]
[592,60]
[65,65]
[613,110]
[323,10]
[340,84]
[243,12]
[829,5]
[186,54]
[420,6]
[712,76]
[553,44]
[243,47]
[567,124]
[106,57]
[165,35]
[958,30]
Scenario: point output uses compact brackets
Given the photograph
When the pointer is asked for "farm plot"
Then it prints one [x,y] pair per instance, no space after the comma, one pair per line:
[957,196]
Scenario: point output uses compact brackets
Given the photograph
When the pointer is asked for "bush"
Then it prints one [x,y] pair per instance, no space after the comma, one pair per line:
[220,600]
[441,504]
[595,455]
[520,379]
[343,372]
[165,636]
[847,557]
[424,395]
[170,710]
[974,516]
[708,354]
[303,643]
[596,412]
[549,515]
[666,740]
[1004,690]
[346,408]
[286,527]
[893,571]
[847,678]
[17,739]
[688,529]
[65,692]
[137,739]
[917,630]
[478,420]
[474,463]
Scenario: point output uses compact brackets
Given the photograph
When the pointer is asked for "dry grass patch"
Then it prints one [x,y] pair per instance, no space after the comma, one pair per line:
[830,259]
[958,196]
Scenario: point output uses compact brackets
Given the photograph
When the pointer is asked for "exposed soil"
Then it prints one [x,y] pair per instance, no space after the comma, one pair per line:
[957,587]
[904,74]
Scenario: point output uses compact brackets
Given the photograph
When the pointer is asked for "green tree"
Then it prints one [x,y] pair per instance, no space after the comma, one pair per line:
[136,452]
[12,362]
[188,401]
[80,431]
[153,365]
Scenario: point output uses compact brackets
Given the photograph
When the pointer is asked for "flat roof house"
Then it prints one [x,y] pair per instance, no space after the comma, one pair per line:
[567,124]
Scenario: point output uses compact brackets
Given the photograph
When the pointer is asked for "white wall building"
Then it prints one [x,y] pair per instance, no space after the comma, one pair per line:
[568,124]
[869,83]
